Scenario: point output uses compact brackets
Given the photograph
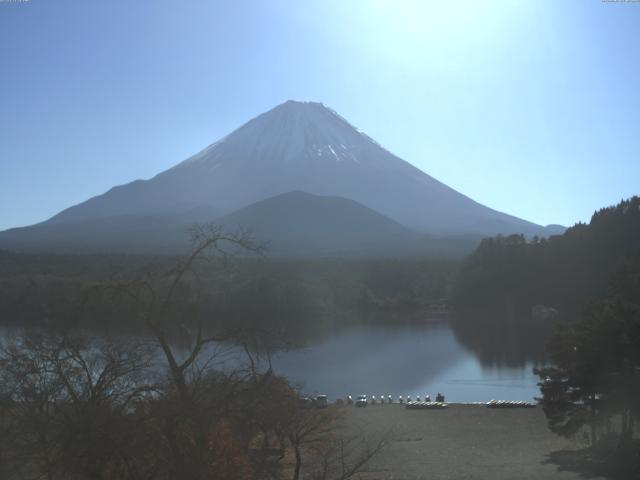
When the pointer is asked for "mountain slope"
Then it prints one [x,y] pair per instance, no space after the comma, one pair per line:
[303,146]
[133,233]
[298,223]
[293,224]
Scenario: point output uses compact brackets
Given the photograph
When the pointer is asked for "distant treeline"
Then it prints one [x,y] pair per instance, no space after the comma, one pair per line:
[295,295]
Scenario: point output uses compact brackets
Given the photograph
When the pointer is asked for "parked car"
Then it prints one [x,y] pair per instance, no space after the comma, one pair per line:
[321,401]
[361,401]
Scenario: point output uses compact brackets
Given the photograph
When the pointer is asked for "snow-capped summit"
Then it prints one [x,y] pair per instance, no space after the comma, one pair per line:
[302,146]
[292,131]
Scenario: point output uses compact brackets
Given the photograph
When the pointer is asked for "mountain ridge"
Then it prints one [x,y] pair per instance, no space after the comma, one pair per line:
[309,147]
[292,224]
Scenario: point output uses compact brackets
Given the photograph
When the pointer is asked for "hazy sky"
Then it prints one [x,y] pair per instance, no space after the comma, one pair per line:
[530,107]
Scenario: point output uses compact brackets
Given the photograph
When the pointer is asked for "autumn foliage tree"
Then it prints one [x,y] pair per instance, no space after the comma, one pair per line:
[227,458]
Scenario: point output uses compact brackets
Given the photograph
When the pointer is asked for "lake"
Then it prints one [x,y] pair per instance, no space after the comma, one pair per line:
[397,360]
[402,360]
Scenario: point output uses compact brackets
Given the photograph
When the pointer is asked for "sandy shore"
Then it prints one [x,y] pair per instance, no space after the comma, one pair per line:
[463,442]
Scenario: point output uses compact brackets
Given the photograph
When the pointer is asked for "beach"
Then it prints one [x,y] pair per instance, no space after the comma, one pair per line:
[463,442]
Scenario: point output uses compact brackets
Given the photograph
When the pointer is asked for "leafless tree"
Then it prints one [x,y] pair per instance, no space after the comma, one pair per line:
[324,448]
[164,301]
[78,408]
[342,457]
[71,404]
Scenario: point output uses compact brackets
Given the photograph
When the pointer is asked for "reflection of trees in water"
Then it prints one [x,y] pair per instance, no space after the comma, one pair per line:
[274,332]
[500,338]
[391,359]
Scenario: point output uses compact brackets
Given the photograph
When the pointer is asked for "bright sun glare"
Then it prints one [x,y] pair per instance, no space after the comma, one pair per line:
[434,30]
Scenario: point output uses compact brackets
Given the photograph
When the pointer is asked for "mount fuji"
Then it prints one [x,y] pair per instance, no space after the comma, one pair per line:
[295,147]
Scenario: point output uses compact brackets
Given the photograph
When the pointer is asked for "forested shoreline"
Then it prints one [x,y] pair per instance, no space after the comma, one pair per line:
[580,293]
[301,295]
[511,291]
[509,275]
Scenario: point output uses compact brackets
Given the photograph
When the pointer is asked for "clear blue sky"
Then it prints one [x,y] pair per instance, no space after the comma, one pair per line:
[530,107]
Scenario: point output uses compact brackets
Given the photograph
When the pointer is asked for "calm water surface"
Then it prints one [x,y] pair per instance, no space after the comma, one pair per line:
[397,360]
[409,360]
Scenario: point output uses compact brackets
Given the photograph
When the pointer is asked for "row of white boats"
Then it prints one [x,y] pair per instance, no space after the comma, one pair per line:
[510,404]
[382,399]
[427,404]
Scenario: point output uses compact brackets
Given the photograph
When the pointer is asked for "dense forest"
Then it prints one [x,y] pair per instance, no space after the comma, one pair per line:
[563,271]
[302,297]
[511,289]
